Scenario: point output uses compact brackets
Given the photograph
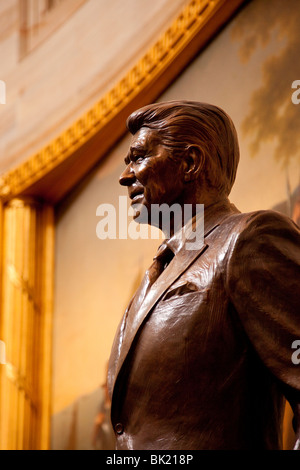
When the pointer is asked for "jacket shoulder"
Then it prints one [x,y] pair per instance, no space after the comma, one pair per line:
[259,222]
[258,233]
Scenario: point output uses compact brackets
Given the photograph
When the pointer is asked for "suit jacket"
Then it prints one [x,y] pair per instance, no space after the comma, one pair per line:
[203,361]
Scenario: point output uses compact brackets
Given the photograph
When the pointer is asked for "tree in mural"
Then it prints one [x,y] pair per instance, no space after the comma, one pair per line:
[272,114]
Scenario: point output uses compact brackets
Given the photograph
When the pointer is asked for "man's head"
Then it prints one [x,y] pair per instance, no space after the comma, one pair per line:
[175,144]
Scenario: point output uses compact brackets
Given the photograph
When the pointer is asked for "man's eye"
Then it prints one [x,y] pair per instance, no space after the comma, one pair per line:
[137,158]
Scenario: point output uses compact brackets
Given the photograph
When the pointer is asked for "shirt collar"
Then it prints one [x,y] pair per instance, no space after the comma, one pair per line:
[213,215]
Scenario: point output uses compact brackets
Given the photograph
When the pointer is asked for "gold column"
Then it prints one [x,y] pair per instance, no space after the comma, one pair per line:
[27,286]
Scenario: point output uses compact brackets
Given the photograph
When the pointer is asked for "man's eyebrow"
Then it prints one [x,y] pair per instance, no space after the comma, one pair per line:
[133,148]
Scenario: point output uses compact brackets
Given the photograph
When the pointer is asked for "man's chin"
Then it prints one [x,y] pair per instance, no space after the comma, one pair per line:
[140,214]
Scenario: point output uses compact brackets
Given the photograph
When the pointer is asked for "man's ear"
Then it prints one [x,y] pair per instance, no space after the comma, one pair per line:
[193,161]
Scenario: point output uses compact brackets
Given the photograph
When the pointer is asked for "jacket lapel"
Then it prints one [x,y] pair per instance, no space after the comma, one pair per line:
[177,266]
[137,313]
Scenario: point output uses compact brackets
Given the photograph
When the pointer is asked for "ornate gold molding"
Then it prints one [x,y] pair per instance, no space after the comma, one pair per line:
[19,381]
[160,56]
[22,284]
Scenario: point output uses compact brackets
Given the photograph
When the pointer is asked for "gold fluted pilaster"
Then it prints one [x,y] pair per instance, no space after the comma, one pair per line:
[27,262]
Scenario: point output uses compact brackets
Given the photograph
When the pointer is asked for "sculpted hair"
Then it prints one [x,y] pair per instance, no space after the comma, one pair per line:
[182,124]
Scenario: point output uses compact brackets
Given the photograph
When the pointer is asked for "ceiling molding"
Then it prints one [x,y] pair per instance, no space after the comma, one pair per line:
[53,171]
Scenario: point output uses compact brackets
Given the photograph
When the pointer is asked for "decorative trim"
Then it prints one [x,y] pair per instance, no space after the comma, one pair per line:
[22,284]
[158,58]
[14,375]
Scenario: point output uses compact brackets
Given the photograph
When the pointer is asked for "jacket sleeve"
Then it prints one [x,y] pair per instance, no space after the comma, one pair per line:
[263,280]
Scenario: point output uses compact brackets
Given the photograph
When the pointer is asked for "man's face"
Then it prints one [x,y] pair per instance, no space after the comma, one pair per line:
[151,176]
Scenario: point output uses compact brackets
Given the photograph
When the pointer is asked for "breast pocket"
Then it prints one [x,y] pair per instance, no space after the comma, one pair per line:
[177,318]
[182,290]
[181,300]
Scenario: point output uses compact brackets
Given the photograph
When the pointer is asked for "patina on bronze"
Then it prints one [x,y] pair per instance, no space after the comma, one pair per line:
[202,356]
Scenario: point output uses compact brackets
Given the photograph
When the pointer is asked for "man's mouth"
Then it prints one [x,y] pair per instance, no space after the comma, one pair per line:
[135,196]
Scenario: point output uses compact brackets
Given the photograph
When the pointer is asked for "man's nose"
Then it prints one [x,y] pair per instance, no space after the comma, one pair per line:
[127,177]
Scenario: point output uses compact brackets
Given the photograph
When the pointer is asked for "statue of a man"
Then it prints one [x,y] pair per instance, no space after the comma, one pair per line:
[202,358]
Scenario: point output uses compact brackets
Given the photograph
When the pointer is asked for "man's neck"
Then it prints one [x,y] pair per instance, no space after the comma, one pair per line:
[187,211]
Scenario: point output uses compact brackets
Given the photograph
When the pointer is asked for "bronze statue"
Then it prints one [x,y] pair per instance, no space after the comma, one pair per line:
[202,356]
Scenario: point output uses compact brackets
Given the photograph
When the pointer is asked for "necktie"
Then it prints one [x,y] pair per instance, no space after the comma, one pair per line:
[162,258]
[160,261]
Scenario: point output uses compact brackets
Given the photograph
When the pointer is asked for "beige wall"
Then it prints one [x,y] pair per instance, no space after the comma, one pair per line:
[62,77]
[95,278]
